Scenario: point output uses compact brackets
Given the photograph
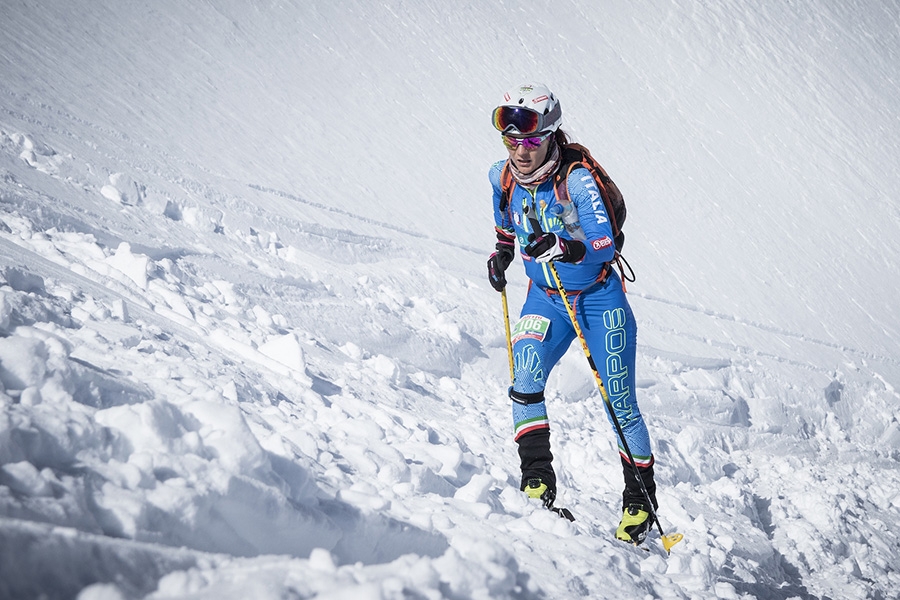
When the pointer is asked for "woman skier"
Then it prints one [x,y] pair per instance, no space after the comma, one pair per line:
[529,119]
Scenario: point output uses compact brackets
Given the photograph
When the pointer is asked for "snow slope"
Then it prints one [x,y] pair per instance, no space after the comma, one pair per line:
[247,348]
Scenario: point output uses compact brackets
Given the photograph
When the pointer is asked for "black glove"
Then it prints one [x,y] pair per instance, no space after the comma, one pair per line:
[549,246]
[501,259]
[497,265]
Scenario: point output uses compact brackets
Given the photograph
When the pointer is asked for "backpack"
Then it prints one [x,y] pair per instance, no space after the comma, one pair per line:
[573,156]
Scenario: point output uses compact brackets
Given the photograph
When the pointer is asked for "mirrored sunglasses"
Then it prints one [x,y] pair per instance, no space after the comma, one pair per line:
[530,143]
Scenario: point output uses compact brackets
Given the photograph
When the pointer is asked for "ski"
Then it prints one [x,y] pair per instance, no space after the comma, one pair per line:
[564,513]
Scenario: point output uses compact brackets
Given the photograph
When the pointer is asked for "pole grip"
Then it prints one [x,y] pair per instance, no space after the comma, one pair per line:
[533,221]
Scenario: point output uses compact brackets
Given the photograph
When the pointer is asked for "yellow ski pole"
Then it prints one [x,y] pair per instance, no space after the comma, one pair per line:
[667,540]
[509,350]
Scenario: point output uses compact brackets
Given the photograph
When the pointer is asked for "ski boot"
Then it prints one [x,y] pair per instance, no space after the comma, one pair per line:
[535,488]
[635,525]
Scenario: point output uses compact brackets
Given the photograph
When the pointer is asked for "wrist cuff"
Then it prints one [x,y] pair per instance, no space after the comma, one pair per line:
[575,251]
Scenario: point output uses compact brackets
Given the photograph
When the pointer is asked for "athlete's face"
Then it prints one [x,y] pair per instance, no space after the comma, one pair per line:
[526,156]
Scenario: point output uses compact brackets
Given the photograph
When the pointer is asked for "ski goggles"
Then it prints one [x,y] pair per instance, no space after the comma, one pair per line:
[523,120]
[530,143]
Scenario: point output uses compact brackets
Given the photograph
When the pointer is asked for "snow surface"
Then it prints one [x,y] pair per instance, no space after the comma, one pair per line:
[248,349]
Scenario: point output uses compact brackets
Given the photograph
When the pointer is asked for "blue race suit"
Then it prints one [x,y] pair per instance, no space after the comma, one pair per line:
[544,331]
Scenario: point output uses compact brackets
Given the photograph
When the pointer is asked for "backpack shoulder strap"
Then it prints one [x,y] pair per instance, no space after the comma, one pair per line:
[572,157]
[506,186]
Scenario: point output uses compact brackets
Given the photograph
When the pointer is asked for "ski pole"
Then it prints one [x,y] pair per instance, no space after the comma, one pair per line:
[667,540]
[509,350]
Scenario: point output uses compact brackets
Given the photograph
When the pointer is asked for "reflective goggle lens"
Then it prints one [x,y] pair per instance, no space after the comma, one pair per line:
[523,120]
[530,143]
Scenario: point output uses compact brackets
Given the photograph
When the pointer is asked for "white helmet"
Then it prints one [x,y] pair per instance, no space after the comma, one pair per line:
[528,108]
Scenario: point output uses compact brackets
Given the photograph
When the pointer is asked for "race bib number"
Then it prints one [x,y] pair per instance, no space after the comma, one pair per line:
[532,327]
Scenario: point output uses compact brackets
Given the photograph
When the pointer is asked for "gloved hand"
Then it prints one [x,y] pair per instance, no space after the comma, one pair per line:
[549,246]
[501,259]
[497,265]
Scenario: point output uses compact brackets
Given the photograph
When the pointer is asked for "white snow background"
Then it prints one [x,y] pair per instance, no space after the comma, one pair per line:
[248,346]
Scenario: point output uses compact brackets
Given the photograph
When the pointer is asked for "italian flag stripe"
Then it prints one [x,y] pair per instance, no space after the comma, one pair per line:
[529,425]
[641,461]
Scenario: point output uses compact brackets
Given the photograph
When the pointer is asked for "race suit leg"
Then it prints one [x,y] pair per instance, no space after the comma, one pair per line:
[610,331]
[540,338]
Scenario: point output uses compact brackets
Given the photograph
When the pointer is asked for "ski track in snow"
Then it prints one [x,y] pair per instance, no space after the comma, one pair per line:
[209,393]
[880,358]
[406,231]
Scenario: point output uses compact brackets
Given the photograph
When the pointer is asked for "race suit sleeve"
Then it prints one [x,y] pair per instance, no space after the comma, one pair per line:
[585,194]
